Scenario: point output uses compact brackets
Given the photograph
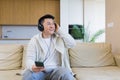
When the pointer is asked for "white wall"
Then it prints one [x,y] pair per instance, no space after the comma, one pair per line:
[71,12]
[64,14]
[75,12]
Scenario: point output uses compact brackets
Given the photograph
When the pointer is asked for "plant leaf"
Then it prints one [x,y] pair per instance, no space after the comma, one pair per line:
[96,35]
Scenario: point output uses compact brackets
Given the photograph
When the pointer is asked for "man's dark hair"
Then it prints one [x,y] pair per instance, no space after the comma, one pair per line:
[45,17]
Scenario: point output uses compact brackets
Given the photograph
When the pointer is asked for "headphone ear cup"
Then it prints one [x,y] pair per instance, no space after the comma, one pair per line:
[40,27]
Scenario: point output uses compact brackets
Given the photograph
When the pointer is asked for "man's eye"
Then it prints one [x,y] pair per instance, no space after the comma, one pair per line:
[50,23]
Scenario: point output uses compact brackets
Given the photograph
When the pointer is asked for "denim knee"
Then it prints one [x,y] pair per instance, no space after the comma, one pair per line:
[38,76]
[61,74]
[27,75]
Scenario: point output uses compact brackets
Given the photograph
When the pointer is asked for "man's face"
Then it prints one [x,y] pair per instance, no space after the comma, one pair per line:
[49,26]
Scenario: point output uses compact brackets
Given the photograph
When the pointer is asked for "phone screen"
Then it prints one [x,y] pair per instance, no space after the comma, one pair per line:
[39,64]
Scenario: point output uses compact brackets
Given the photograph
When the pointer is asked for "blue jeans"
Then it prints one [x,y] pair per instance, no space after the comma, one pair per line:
[50,74]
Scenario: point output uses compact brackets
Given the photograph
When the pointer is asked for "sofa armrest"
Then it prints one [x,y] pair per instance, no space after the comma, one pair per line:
[117,59]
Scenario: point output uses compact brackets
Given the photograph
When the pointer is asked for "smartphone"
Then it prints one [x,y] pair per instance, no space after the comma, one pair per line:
[39,64]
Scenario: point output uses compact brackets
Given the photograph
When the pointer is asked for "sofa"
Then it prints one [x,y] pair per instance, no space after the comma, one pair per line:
[89,61]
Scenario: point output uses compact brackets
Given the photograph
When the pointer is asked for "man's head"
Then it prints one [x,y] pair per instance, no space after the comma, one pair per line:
[42,19]
[46,24]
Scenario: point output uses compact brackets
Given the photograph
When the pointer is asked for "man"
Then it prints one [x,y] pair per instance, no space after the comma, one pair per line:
[47,57]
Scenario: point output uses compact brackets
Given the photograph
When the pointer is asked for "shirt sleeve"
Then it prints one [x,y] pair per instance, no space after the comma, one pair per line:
[30,55]
[67,38]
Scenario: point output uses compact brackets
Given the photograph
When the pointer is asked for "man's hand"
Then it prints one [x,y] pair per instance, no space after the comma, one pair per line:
[57,27]
[37,69]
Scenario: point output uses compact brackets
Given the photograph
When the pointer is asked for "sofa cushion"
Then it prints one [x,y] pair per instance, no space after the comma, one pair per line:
[91,55]
[117,59]
[98,73]
[10,56]
[10,75]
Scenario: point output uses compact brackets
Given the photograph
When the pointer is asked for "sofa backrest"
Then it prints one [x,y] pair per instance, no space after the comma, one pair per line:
[91,55]
[10,56]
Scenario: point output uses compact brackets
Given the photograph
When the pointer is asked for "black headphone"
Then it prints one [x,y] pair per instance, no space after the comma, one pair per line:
[40,21]
[40,27]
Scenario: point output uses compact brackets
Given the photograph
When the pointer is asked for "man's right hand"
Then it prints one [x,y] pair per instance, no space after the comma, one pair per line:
[37,69]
